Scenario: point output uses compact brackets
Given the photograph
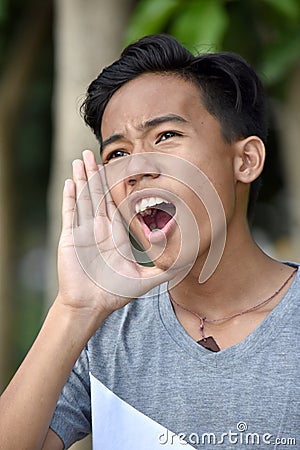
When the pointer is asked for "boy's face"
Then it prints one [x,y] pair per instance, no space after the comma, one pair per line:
[156,129]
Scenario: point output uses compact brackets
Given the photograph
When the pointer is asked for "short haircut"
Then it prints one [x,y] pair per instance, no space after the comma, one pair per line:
[229,88]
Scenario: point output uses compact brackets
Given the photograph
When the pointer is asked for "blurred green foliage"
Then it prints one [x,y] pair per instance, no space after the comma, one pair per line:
[3,10]
[192,22]
[32,150]
[266,32]
[30,153]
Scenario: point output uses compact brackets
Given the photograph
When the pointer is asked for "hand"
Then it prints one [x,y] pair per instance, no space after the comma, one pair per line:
[96,267]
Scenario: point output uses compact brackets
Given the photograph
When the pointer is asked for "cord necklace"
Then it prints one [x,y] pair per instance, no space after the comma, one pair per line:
[209,342]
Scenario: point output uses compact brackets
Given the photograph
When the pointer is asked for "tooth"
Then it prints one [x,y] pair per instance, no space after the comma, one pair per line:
[151,202]
[159,200]
[144,204]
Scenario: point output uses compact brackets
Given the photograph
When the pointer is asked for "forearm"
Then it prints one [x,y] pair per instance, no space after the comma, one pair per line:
[27,405]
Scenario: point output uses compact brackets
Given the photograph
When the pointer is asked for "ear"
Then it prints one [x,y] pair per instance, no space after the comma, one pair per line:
[249,159]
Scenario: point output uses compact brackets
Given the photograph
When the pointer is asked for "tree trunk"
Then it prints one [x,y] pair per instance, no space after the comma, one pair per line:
[22,56]
[88,36]
[288,120]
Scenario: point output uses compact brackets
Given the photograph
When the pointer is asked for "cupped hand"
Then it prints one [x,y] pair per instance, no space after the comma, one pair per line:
[96,267]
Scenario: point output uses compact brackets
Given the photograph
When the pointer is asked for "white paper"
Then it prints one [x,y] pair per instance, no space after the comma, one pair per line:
[119,426]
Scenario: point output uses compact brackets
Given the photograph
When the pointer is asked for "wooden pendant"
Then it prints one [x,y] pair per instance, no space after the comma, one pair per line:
[210,344]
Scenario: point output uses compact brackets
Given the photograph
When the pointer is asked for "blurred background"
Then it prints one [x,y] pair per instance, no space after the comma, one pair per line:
[49,52]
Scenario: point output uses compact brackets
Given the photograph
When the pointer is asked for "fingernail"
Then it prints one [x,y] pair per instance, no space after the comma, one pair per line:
[67,183]
[86,152]
[76,162]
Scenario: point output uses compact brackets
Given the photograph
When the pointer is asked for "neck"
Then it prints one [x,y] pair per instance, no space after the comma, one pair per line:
[244,276]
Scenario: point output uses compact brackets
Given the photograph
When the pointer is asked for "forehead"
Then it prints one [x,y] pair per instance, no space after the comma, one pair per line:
[149,96]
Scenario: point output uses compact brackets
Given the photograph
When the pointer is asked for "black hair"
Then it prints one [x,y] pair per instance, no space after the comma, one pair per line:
[230,89]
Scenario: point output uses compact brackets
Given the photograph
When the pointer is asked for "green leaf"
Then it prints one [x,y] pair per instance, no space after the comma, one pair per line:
[278,59]
[149,17]
[201,25]
[3,10]
[288,8]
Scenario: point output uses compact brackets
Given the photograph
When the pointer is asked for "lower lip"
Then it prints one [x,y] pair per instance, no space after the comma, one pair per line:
[158,236]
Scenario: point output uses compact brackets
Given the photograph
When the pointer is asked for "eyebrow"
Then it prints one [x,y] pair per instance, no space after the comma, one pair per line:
[113,138]
[151,123]
[162,119]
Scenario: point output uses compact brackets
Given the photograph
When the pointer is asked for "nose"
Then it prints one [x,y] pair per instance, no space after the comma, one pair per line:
[141,166]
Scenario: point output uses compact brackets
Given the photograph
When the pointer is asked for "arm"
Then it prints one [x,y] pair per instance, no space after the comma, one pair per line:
[27,405]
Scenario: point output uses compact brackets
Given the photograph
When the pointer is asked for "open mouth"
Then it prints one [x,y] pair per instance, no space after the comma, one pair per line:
[155,213]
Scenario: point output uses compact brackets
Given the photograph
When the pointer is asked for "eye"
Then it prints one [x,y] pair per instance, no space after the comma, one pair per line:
[115,154]
[167,135]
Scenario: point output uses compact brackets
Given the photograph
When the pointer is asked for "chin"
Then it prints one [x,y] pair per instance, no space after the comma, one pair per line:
[163,254]
[162,257]
[180,263]
[173,253]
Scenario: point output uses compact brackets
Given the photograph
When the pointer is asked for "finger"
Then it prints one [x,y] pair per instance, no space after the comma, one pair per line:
[83,200]
[94,180]
[68,205]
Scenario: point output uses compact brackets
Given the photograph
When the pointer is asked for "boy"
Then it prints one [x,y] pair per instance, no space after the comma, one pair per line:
[203,343]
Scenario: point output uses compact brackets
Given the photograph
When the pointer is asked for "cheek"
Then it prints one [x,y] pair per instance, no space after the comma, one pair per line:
[223,182]
[124,207]
[200,208]
[212,206]
[118,195]
[119,199]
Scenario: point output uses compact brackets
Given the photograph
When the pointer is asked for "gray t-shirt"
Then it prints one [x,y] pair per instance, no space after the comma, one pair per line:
[244,396]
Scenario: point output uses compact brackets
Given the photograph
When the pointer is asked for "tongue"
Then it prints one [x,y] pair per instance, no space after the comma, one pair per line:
[162,218]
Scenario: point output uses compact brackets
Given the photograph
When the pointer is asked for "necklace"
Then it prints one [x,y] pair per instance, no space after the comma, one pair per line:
[209,342]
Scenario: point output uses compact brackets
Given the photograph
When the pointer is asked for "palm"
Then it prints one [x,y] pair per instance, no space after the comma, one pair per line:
[96,265]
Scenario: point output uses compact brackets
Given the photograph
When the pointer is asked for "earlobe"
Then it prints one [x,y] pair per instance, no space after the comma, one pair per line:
[249,159]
